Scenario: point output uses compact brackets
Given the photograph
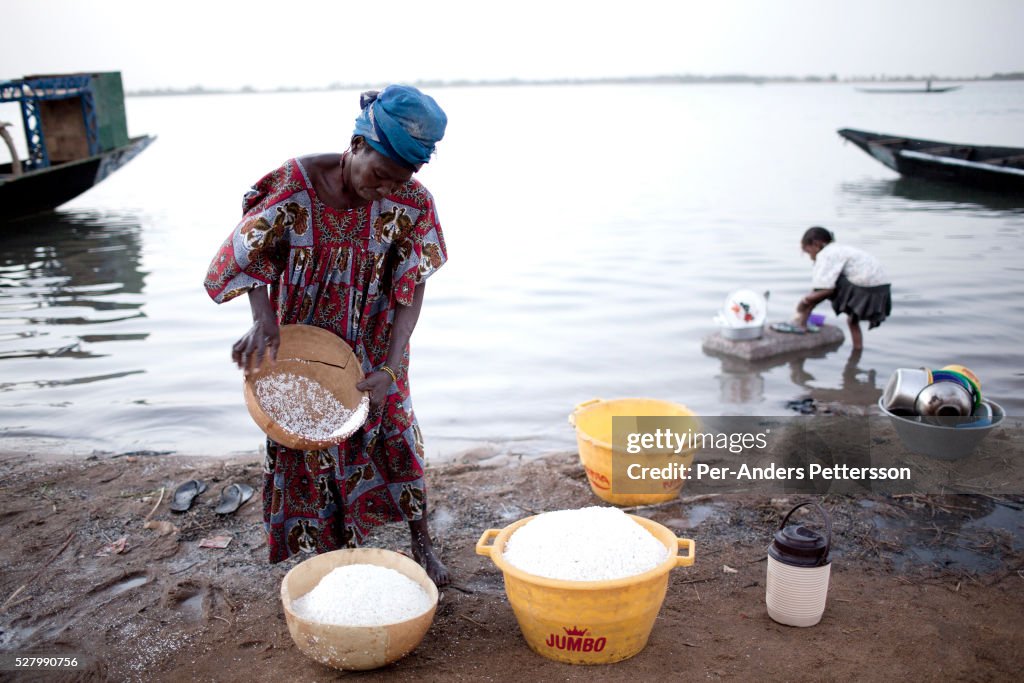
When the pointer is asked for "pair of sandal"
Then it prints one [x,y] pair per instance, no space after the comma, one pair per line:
[232,496]
[790,328]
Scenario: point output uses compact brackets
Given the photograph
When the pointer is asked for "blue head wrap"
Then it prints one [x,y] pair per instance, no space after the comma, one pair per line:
[401,123]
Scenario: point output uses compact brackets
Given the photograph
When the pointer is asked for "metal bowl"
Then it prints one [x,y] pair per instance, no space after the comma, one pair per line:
[955,439]
[972,387]
[903,387]
[944,399]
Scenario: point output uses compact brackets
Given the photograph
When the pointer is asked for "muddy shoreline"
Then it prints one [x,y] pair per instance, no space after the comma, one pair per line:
[923,587]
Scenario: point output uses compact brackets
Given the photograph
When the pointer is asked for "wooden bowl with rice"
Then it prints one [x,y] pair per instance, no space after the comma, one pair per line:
[308,400]
[356,647]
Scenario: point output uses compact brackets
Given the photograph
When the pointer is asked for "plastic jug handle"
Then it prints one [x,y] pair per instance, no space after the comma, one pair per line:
[482,547]
[691,552]
[821,512]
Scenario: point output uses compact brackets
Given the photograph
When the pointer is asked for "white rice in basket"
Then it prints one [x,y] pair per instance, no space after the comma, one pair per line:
[318,415]
[589,544]
[363,595]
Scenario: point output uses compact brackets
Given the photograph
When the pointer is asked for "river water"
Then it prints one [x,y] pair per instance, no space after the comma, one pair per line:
[593,231]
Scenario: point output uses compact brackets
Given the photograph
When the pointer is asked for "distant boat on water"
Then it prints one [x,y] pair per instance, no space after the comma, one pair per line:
[992,168]
[926,89]
[76,133]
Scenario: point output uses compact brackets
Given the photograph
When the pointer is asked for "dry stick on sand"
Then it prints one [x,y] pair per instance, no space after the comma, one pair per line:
[474,621]
[699,498]
[135,494]
[653,506]
[684,501]
[158,501]
[40,571]
[18,602]
[107,481]
[708,578]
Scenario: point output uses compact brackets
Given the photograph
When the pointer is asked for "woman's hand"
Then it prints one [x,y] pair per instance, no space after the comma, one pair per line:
[259,343]
[378,384]
[809,301]
[803,311]
[263,339]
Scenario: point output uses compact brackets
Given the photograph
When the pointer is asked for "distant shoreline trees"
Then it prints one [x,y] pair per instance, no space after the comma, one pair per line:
[623,80]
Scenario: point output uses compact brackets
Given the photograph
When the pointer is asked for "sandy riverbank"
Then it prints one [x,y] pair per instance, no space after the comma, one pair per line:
[167,609]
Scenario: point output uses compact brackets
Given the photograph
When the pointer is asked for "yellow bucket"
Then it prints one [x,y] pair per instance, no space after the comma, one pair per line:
[587,622]
[593,422]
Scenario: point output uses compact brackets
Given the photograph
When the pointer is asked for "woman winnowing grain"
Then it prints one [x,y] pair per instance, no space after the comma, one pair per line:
[345,242]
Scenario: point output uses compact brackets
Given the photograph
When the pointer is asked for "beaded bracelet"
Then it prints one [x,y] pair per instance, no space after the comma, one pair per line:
[394,377]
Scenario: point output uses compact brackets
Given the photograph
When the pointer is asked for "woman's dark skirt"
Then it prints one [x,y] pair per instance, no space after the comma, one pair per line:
[873,304]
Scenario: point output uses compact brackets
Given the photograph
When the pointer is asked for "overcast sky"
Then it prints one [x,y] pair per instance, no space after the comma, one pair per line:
[303,43]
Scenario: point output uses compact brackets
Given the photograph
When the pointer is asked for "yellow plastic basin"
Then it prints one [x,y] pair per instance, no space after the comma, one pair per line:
[587,622]
[593,422]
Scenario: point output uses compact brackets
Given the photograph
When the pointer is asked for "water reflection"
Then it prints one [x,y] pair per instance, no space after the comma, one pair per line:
[857,385]
[43,384]
[68,269]
[742,381]
[925,195]
[88,248]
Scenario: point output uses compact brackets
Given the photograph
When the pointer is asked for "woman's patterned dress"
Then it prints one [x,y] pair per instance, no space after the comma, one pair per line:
[344,271]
